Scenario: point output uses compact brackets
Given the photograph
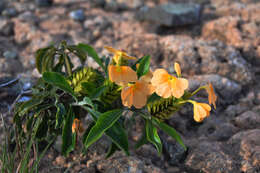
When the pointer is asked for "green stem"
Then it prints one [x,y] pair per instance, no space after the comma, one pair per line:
[67,63]
[197,90]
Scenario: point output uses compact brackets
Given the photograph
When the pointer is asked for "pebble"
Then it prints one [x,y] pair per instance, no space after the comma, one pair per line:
[77,15]
[171,14]
[10,54]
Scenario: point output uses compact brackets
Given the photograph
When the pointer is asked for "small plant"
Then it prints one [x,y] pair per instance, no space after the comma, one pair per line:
[64,95]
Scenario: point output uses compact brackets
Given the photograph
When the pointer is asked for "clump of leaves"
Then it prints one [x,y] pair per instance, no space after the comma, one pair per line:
[65,94]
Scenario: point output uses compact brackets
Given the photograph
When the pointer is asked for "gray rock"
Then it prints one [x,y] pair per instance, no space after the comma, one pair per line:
[226,89]
[6,27]
[77,15]
[10,54]
[206,57]
[44,3]
[171,14]
[248,120]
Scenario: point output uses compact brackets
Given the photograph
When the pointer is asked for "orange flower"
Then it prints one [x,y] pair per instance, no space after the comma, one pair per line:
[118,54]
[167,85]
[121,75]
[211,95]
[177,69]
[201,111]
[77,126]
[136,94]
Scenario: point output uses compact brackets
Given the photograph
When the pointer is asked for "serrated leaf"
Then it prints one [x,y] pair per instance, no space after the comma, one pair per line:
[170,131]
[144,66]
[58,80]
[98,91]
[88,88]
[67,136]
[116,133]
[152,136]
[104,122]
[91,52]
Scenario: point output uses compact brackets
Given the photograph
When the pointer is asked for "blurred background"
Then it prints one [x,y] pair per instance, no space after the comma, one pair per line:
[215,41]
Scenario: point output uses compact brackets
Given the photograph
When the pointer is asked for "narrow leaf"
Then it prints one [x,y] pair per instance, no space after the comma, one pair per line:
[116,133]
[91,51]
[59,81]
[152,136]
[60,114]
[170,131]
[144,66]
[105,121]
[67,136]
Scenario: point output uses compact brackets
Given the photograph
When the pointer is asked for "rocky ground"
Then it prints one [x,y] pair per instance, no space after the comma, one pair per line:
[213,40]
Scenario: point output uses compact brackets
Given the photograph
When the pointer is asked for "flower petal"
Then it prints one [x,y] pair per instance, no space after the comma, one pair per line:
[177,69]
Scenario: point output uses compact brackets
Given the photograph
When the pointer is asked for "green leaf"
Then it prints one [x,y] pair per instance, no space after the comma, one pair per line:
[88,87]
[86,101]
[112,149]
[67,136]
[40,55]
[144,66]
[91,51]
[60,114]
[42,129]
[59,81]
[170,131]
[104,122]
[116,133]
[85,135]
[98,91]
[78,52]
[26,106]
[152,136]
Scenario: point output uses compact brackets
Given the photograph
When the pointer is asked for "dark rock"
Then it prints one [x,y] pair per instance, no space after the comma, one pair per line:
[217,130]
[2,5]
[6,27]
[248,120]
[175,153]
[171,14]
[77,15]
[11,66]
[44,3]
[210,158]
[234,110]
[247,145]
[9,12]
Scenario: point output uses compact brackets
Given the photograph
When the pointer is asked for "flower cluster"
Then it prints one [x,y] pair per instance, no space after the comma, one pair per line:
[135,91]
